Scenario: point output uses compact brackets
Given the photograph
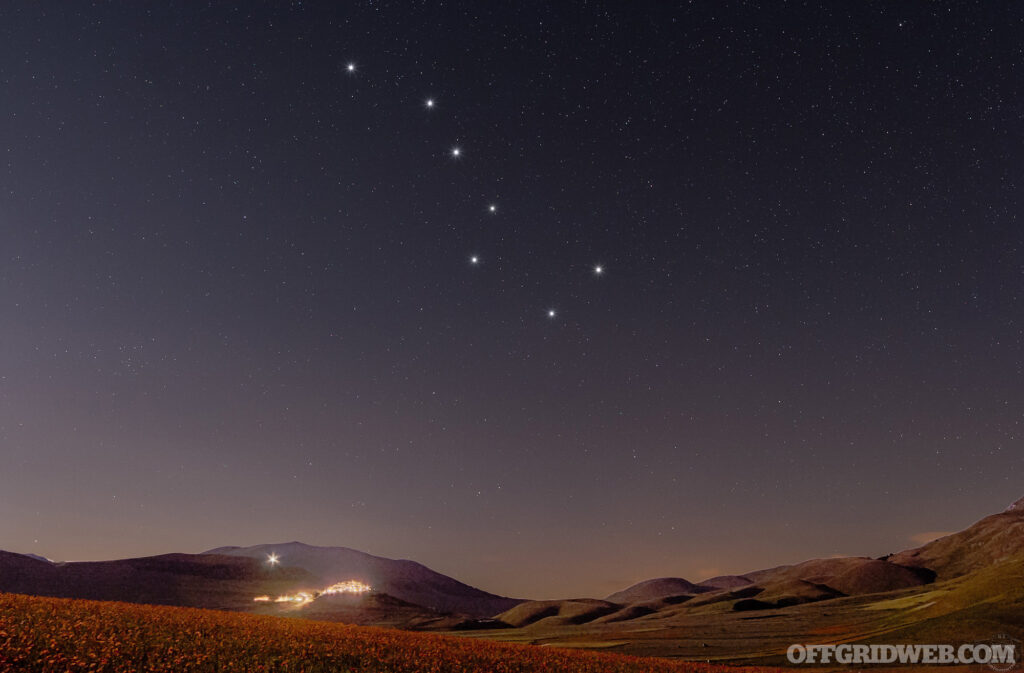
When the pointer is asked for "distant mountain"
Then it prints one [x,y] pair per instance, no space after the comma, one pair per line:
[814,580]
[851,576]
[407,594]
[404,593]
[992,540]
[170,579]
[963,587]
[650,590]
[405,580]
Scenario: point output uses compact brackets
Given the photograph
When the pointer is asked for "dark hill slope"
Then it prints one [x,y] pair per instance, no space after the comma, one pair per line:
[406,580]
[210,581]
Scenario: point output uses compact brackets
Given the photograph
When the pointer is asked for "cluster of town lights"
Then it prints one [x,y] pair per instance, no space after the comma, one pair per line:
[303,597]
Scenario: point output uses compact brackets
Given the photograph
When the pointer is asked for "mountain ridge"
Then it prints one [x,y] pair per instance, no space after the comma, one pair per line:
[408,594]
[989,540]
[404,579]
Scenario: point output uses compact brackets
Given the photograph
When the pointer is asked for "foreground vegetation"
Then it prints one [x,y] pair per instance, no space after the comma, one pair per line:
[55,634]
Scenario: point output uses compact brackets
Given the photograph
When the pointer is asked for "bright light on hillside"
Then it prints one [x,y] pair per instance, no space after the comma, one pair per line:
[349,587]
[302,597]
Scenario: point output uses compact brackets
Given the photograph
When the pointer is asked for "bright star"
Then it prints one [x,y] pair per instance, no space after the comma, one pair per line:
[598,270]
[551,313]
[474,260]
[430,102]
[456,152]
[492,208]
[351,67]
[272,559]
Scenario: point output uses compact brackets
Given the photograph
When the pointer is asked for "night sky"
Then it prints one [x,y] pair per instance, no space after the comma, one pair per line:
[249,291]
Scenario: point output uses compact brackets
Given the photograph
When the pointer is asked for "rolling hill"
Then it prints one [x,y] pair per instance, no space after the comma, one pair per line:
[405,593]
[968,586]
[989,541]
[662,587]
[850,576]
[557,613]
[405,580]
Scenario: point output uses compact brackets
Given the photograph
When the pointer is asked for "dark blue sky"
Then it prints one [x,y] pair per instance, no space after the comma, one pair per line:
[237,303]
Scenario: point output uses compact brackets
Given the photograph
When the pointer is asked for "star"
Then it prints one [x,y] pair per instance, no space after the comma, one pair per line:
[474,260]
[598,270]
[456,152]
[430,102]
[551,313]
[272,559]
[351,67]
[492,208]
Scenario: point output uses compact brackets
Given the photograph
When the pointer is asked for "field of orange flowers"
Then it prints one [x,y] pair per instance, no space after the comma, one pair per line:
[55,634]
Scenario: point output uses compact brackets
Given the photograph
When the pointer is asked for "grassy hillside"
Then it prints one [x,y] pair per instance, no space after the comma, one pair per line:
[989,541]
[55,634]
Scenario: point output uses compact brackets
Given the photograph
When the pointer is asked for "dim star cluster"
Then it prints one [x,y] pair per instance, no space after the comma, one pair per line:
[456,152]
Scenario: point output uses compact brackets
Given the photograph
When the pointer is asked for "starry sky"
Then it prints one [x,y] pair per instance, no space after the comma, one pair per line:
[550,297]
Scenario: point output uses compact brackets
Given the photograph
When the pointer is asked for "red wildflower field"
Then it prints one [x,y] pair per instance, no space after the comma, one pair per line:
[55,634]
